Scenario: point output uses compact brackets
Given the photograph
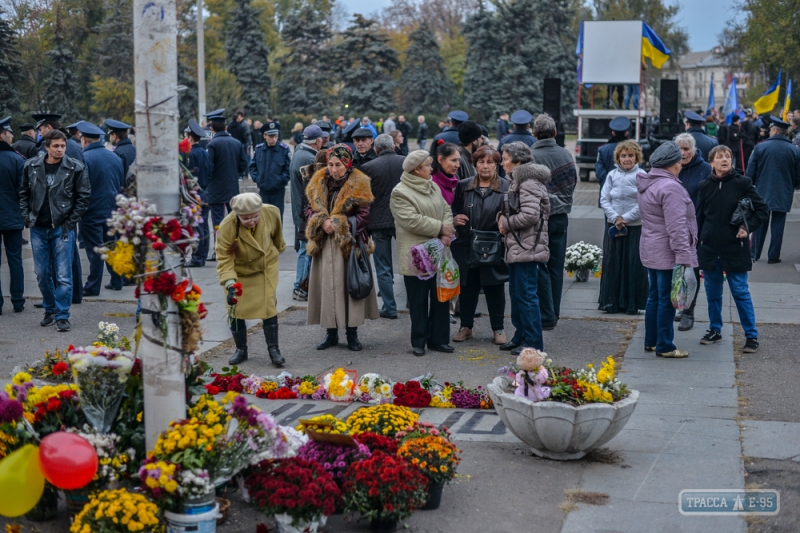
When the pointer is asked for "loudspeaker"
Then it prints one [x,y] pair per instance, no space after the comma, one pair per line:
[552,98]
[669,101]
[599,128]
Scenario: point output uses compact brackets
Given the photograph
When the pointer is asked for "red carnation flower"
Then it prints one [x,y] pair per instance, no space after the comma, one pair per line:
[59,368]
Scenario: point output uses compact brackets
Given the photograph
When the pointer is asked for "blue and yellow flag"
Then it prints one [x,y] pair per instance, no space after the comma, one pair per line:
[653,48]
[787,102]
[769,100]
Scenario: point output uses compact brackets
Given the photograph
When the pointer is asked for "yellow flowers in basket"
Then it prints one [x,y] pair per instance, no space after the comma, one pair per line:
[121,511]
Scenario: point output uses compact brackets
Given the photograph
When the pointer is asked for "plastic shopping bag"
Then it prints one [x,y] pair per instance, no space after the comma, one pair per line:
[684,285]
[448,279]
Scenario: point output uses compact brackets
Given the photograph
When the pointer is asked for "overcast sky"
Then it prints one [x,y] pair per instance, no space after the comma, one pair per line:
[702,19]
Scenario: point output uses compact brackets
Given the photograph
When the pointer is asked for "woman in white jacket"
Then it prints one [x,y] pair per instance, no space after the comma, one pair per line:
[624,285]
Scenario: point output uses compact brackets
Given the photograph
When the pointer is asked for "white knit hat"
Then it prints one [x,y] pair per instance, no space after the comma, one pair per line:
[246,203]
[416,159]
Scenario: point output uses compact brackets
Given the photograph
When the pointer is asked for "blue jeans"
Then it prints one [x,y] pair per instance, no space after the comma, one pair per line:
[631,90]
[383,269]
[13,242]
[303,265]
[275,198]
[737,283]
[95,234]
[422,143]
[53,253]
[775,236]
[525,315]
[218,212]
[551,274]
[659,313]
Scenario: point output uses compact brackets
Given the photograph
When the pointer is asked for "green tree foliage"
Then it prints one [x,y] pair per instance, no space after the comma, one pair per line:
[305,85]
[222,90]
[481,71]
[364,63]
[187,99]
[424,84]
[61,89]
[114,58]
[248,58]
[112,98]
[11,77]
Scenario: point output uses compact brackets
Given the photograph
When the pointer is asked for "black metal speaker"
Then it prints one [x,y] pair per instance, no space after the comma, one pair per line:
[552,98]
[599,128]
[669,101]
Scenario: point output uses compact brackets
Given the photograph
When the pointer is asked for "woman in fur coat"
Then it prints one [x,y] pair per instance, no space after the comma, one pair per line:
[335,193]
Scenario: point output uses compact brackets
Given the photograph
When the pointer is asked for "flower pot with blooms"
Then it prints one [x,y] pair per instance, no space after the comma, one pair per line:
[334,458]
[299,493]
[411,394]
[378,443]
[437,458]
[423,429]
[101,373]
[118,511]
[581,258]
[374,389]
[384,419]
[385,488]
[340,384]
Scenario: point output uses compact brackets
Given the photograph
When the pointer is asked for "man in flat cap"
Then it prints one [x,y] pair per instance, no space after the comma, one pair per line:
[694,127]
[363,140]
[11,223]
[26,145]
[47,122]
[774,168]
[199,164]
[269,167]
[521,132]
[106,180]
[123,147]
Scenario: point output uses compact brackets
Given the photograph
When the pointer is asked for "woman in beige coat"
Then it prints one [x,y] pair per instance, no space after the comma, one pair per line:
[334,194]
[249,241]
[420,214]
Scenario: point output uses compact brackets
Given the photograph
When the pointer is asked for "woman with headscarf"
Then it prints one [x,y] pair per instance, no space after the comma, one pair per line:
[249,241]
[445,167]
[334,194]
[669,238]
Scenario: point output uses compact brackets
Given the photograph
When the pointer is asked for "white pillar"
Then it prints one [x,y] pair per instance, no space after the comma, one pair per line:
[156,77]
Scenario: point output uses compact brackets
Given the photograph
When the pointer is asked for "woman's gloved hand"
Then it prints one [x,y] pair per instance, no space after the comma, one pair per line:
[234,291]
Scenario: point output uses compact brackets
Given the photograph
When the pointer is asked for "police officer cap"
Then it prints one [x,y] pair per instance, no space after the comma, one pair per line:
[196,129]
[620,124]
[271,128]
[116,125]
[216,112]
[41,118]
[521,117]
[778,123]
[458,115]
[353,126]
[73,126]
[361,133]
[691,116]
[88,129]
[5,124]
[324,125]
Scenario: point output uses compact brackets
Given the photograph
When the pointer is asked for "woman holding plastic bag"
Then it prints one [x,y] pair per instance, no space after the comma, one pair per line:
[669,239]
[422,217]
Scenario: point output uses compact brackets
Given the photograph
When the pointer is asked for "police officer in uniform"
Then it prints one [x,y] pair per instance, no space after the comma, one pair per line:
[269,168]
[11,223]
[347,134]
[199,164]
[105,178]
[694,127]
[73,132]
[26,145]
[450,133]
[123,146]
[228,162]
[620,129]
[47,122]
[521,132]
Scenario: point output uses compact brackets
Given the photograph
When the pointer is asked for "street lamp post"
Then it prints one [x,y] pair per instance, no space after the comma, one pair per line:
[201,63]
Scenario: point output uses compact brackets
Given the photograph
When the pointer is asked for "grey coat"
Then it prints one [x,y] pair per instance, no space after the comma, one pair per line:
[529,184]
[563,173]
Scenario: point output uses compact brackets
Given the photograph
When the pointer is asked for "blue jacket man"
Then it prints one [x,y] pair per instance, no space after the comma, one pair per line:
[104,170]
[774,168]
[521,120]
[199,163]
[450,133]
[605,154]
[228,162]
[695,128]
[123,146]
[269,167]
[11,224]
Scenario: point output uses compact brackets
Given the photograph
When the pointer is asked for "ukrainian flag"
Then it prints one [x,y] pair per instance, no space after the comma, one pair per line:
[788,101]
[769,100]
[653,48]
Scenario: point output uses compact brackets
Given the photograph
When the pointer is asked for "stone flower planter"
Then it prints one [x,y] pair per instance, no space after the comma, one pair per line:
[557,430]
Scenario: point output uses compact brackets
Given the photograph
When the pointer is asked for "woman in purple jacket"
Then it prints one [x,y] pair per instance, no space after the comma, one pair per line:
[669,238]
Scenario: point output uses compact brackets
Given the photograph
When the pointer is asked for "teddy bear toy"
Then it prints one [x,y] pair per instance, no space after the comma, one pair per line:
[532,375]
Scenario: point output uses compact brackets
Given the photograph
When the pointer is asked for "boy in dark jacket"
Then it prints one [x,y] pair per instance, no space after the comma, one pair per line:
[725,247]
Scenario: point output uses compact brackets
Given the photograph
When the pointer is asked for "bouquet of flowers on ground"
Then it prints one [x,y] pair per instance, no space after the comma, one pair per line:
[108,335]
[411,394]
[112,461]
[464,397]
[53,367]
[340,384]
[308,388]
[324,424]
[423,429]
[583,256]
[386,419]
[46,408]
[295,490]
[424,258]
[334,458]
[435,456]
[377,443]
[100,372]
[374,389]
[118,511]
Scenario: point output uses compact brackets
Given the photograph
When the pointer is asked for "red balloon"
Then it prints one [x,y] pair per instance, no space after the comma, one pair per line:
[68,461]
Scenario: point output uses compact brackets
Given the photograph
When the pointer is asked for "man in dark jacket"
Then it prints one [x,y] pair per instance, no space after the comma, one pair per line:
[694,170]
[470,139]
[269,167]
[239,130]
[385,172]
[521,132]
[422,132]
[123,147]
[256,137]
[406,129]
[694,127]
[47,122]
[104,171]
[363,140]
[724,248]
[731,136]
[228,162]
[11,168]
[501,129]
[450,133]
[200,166]
[54,195]
[26,145]
[749,136]
[774,168]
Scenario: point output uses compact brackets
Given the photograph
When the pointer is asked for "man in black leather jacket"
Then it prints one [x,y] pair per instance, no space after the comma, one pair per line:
[55,194]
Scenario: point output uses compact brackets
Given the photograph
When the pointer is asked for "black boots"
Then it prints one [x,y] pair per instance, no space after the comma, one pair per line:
[240,338]
[271,336]
[331,339]
[352,340]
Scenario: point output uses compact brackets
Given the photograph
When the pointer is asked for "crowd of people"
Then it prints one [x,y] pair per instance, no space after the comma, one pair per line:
[356,185]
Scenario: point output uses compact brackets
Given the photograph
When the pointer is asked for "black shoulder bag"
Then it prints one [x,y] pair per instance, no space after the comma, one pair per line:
[485,247]
[359,269]
[744,209]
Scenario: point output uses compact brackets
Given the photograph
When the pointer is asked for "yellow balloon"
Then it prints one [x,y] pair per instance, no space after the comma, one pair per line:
[21,481]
